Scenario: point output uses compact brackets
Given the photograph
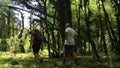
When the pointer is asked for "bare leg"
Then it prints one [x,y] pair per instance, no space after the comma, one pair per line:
[64,57]
[36,57]
[75,57]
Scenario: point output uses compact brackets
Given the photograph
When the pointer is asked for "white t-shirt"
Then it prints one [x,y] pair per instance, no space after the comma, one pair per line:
[70,36]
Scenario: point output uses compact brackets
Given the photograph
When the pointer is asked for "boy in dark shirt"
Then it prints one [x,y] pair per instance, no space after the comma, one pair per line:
[36,41]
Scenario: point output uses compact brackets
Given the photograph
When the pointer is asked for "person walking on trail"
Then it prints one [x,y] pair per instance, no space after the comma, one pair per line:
[36,41]
[69,43]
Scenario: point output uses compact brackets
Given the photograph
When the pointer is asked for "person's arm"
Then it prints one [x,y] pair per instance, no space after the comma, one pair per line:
[66,35]
[76,34]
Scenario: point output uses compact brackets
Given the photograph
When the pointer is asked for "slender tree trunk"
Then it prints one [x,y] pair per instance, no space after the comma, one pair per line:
[117,13]
[8,22]
[91,41]
[78,40]
[21,45]
[111,31]
[102,42]
[87,16]
[54,43]
[47,30]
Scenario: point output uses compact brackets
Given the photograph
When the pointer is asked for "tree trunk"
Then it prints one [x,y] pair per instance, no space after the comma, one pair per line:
[117,13]
[102,43]
[63,8]
[21,45]
[87,16]
[111,32]
[47,30]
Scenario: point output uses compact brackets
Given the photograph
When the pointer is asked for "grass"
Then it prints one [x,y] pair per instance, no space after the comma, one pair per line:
[25,60]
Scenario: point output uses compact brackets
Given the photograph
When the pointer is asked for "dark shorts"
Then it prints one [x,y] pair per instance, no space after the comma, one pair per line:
[35,48]
[69,49]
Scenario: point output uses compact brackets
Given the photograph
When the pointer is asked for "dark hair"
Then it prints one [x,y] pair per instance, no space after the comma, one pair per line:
[36,30]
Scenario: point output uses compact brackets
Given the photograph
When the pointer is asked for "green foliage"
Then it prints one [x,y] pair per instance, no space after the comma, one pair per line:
[5,2]
[7,19]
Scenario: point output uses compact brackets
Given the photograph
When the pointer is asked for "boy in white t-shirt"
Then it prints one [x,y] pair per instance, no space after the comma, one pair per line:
[69,44]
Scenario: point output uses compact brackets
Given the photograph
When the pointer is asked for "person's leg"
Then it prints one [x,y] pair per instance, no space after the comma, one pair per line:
[74,54]
[36,57]
[36,49]
[35,52]
[64,57]
[65,53]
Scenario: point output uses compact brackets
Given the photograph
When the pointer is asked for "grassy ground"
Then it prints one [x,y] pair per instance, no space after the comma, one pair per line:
[26,61]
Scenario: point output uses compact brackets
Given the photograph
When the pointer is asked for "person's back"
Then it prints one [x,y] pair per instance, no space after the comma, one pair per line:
[37,39]
[69,44]
[70,36]
[36,42]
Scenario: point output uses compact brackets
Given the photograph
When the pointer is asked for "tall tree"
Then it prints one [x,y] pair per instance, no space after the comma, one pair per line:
[102,41]
[63,8]
[87,20]
[116,5]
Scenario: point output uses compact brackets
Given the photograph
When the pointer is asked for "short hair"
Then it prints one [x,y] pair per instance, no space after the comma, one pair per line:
[67,24]
[36,30]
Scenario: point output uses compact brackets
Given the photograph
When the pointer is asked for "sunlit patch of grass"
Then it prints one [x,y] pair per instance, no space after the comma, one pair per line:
[44,53]
[21,60]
